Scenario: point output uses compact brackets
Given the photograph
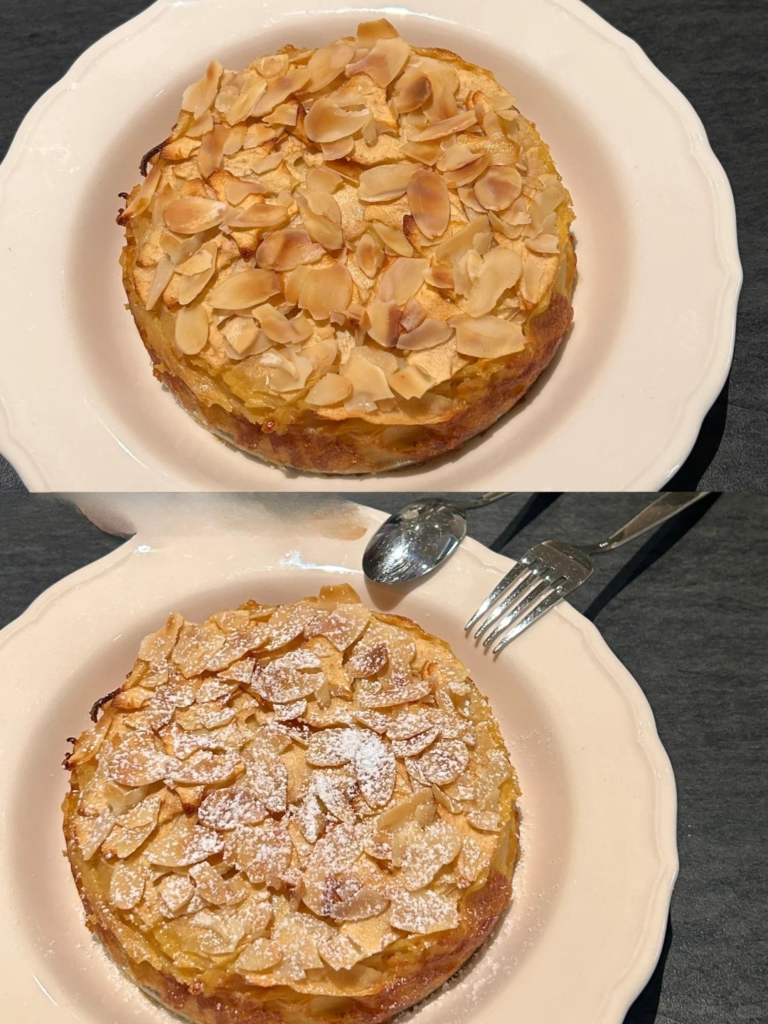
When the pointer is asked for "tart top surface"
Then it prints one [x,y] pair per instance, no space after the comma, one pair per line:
[283,793]
[350,229]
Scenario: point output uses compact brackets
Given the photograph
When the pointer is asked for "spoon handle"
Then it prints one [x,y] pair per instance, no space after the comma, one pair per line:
[655,514]
[484,499]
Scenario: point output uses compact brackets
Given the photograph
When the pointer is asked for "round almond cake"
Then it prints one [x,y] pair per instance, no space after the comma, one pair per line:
[294,813]
[349,259]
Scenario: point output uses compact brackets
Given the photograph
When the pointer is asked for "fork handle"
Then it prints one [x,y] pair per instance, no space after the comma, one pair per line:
[657,512]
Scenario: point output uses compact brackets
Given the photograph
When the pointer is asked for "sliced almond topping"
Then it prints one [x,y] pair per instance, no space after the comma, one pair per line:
[392,239]
[189,216]
[439,845]
[321,229]
[425,152]
[246,289]
[327,63]
[500,270]
[485,821]
[260,215]
[235,140]
[327,123]
[137,762]
[236,191]
[181,843]
[532,283]
[369,382]
[273,65]
[410,382]
[413,314]
[143,197]
[329,390]
[126,886]
[429,333]
[323,179]
[201,127]
[207,769]
[199,261]
[462,240]
[548,245]
[240,110]
[370,32]
[444,762]
[440,276]
[384,320]
[163,274]
[91,832]
[449,126]
[546,202]
[383,62]
[498,188]
[279,89]
[324,290]
[468,172]
[412,92]
[442,102]
[332,747]
[211,151]
[401,280]
[423,912]
[191,330]
[369,255]
[375,768]
[385,182]
[488,337]
[257,135]
[190,286]
[286,249]
[260,956]
[199,96]
[284,114]
[279,328]
[429,202]
[404,811]
[264,853]
[337,150]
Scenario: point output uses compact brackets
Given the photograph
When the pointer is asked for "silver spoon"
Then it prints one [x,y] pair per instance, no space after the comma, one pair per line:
[415,540]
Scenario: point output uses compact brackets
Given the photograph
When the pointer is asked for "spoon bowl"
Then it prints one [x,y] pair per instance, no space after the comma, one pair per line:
[414,541]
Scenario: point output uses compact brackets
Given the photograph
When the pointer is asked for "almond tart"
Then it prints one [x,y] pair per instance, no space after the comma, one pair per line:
[292,813]
[349,259]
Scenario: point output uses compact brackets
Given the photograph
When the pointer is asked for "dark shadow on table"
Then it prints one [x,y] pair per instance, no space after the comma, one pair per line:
[657,545]
[533,507]
[687,478]
[646,1006]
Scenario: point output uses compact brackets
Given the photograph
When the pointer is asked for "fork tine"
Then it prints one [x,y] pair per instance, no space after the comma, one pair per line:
[528,620]
[497,591]
[510,599]
[541,588]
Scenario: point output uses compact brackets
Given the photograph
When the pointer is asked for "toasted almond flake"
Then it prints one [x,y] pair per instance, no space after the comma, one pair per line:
[293,283]
[235,140]
[143,197]
[449,126]
[329,390]
[137,762]
[429,202]
[179,249]
[369,382]
[532,283]
[279,328]
[401,280]
[324,290]
[207,769]
[392,238]
[410,382]
[191,330]
[440,276]
[370,132]
[163,274]
[259,215]
[375,769]
[370,32]
[462,240]
[546,244]
[279,89]
[246,289]
[287,249]
[236,191]
[190,216]
[201,127]
[323,179]
[199,261]
[423,913]
[320,228]
[383,62]
[369,255]
[498,188]
[273,65]
[126,886]
[428,334]
[337,150]
[284,114]
[240,110]
[327,63]
[384,320]
[258,134]
[485,821]
[211,151]
[412,92]
[442,102]
[385,182]
[413,314]
[327,122]
[425,152]
[190,286]
[546,202]
[444,762]
[500,270]
[468,173]
[489,337]
[91,832]
[199,96]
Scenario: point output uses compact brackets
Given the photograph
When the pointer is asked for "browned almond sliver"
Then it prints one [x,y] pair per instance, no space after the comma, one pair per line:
[236,191]
[190,286]
[412,92]
[260,215]
[188,216]
[410,382]
[370,32]
[402,280]
[369,255]
[200,95]
[428,334]
[211,151]
[392,239]
[191,331]
[329,390]
[498,188]
[279,89]
[501,270]
[286,249]
[326,122]
[255,87]
[384,62]
[385,182]
[246,289]
[323,179]
[429,202]
[143,197]
[488,337]
[327,63]
[163,274]
[449,126]
[384,319]
[326,290]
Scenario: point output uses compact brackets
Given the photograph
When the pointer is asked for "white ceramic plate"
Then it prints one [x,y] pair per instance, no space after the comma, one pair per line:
[598,808]
[655,303]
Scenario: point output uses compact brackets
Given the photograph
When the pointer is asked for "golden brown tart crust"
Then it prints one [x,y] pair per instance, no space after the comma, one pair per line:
[244,866]
[327,366]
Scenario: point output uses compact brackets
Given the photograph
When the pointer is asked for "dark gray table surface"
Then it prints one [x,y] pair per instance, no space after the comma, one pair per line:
[684,610]
[713,50]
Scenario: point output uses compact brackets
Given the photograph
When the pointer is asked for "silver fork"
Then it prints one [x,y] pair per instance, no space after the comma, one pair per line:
[552,570]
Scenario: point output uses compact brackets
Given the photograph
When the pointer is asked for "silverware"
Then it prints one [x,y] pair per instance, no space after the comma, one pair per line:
[552,570]
[417,538]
